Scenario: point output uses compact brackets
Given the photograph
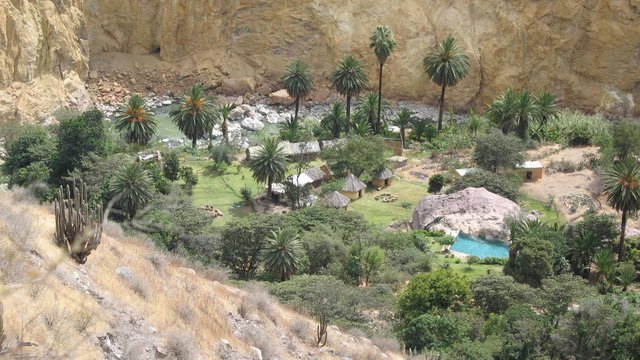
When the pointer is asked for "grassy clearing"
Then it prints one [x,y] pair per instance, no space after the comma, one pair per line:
[546,215]
[379,213]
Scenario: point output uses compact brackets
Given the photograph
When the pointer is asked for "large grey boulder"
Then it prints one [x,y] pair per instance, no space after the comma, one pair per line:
[473,211]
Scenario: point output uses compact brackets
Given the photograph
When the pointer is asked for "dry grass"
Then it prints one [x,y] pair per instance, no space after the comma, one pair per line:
[181,346]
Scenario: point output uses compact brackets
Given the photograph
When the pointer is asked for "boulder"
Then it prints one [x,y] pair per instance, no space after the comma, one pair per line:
[473,211]
[236,86]
[252,124]
[236,113]
[273,118]
[280,97]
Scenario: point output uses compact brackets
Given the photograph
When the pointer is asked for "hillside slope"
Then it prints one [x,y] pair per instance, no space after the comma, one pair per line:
[131,302]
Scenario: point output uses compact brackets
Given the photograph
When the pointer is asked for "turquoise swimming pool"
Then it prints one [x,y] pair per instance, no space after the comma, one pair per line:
[479,247]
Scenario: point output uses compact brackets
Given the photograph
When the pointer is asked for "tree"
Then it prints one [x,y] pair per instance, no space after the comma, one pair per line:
[547,108]
[628,274]
[357,154]
[383,44]
[136,120]
[297,81]
[626,138]
[515,111]
[622,187]
[558,293]
[434,332]
[446,66]
[282,253]
[78,137]
[29,156]
[441,289]
[241,242]
[290,130]
[403,120]
[194,115]
[422,130]
[366,111]
[334,119]
[586,237]
[131,188]
[349,80]
[436,182]
[223,116]
[323,249]
[495,151]
[189,177]
[496,293]
[530,259]
[372,261]
[222,154]
[270,163]
[171,166]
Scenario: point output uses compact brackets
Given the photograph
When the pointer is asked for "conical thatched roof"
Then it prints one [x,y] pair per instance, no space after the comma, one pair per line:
[383,174]
[315,174]
[336,200]
[353,184]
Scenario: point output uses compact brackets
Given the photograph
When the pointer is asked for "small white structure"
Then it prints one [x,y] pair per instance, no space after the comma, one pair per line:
[458,173]
[531,170]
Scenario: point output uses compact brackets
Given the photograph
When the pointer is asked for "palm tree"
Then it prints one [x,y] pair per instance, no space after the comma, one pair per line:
[223,115]
[605,261]
[360,127]
[290,129]
[297,81]
[367,110]
[349,79]
[446,66]
[383,44]
[282,253]
[334,119]
[628,274]
[422,130]
[547,108]
[501,111]
[131,188]
[194,115]
[622,186]
[403,120]
[135,118]
[270,163]
[526,111]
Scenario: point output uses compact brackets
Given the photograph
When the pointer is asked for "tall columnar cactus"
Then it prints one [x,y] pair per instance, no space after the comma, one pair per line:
[321,331]
[77,228]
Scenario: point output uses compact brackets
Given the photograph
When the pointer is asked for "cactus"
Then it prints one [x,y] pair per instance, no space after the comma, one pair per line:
[3,336]
[77,228]
[322,330]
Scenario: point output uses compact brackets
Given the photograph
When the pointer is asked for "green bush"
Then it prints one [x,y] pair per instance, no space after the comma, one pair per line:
[436,182]
[434,332]
[29,156]
[496,183]
[576,128]
[496,151]
[490,260]
[473,260]
[222,154]
[189,177]
[171,168]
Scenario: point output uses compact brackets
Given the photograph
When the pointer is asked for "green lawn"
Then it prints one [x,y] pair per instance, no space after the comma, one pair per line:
[546,215]
[379,213]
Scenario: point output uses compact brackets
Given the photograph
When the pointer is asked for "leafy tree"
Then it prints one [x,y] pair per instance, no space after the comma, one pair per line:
[441,289]
[586,237]
[223,116]
[270,163]
[131,188]
[29,156]
[282,253]
[366,111]
[78,137]
[194,116]
[436,182]
[524,334]
[297,81]
[495,151]
[372,261]
[558,293]
[136,120]
[496,183]
[496,293]
[626,138]
[189,177]
[160,182]
[241,242]
[334,119]
[171,166]
[434,332]
[323,248]
[383,44]
[349,79]
[530,259]
[622,187]
[353,265]
[403,120]
[358,155]
[446,66]
[346,224]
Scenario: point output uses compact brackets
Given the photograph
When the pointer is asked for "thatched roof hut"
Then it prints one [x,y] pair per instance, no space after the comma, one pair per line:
[353,187]
[309,149]
[336,200]
[316,175]
[382,178]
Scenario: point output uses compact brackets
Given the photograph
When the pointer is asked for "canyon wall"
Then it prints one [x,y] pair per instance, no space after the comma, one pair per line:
[587,51]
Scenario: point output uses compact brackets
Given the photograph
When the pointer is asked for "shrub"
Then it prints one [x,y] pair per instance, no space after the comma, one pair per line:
[361,156]
[472,260]
[495,151]
[496,183]
[171,168]
[190,178]
[436,182]
[433,331]
[490,260]
[181,346]
[29,156]
[84,320]
[496,293]
[222,153]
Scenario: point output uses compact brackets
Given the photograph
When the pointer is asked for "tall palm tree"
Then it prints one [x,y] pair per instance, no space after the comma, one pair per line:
[349,79]
[622,186]
[403,120]
[502,111]
[547,108]
[270,163]
[194,116]
[282,253]
[223,116]
[383,44]
[367,109]
[297,81]
[446,66]
[334,119]
[135,118]
[526,111]
[131,188]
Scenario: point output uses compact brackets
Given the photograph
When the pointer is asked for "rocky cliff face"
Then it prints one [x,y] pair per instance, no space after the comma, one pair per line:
[587,51]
